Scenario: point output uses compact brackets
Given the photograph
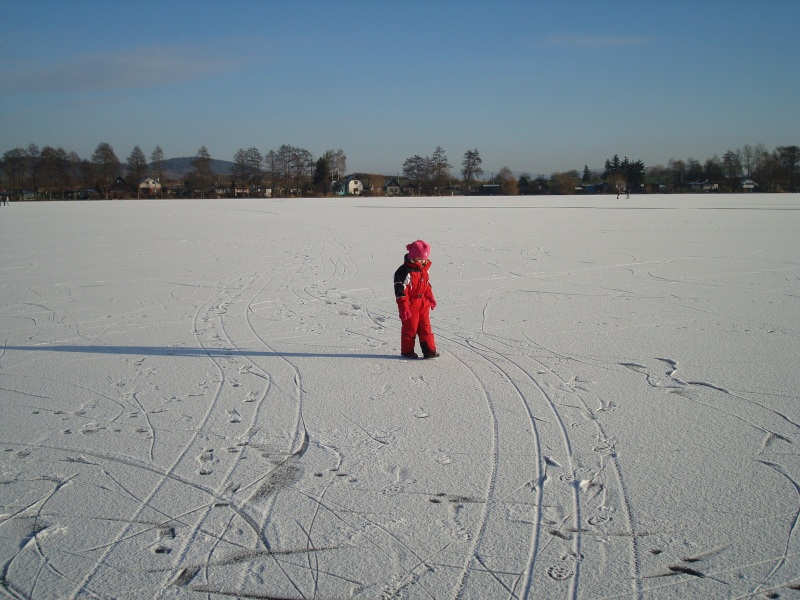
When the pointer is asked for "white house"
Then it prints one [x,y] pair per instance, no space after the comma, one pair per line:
[150,186]
[355,187]
[349,187]
[748,185]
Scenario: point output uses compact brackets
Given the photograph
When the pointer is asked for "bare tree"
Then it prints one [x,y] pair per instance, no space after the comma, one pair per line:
[789,159]
[247,166]
[31,166]
[748,157]
[337,163]
[291,168]
[239,171]
[564,183]
[271,166]
[678,171]
[417,169]
[53,171]
[507,181]
[254,162]
[301,166]
[732,169]
[14,165]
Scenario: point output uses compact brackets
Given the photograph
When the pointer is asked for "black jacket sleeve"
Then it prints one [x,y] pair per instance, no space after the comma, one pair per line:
[400,281]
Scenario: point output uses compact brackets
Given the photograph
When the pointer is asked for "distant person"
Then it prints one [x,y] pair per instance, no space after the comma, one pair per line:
[414,295]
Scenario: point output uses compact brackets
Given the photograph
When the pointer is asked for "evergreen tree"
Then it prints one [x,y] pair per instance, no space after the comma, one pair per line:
[418,171]
[157,164]
[440,169]
[137,166]
[694,170]
[239,170]
[525,184]
[322,176]
[106,167]
[471,167]
[731,169]
[201,177]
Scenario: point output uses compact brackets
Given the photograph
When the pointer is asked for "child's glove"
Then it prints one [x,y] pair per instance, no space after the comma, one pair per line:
[431,300]
[403,308]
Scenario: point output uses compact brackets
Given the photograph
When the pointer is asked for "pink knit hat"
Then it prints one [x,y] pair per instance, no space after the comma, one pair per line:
[419,249]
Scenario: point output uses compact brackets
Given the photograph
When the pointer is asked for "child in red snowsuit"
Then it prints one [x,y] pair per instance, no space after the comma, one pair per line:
[415,300]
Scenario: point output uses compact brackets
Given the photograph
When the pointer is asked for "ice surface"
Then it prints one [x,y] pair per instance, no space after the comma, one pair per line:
[205,399]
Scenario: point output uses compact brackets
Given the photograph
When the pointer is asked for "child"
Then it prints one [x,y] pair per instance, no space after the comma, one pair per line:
[415,300]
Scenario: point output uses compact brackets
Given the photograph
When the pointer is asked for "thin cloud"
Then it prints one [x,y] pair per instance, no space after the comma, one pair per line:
[597,41]
[117,70]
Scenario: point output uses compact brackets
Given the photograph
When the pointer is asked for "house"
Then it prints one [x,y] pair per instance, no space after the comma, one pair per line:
[150,187]
[392,188]
[120,189]
[697,186]
[703,186]
[490,189]
[350,186]
[748,185]
[355,187]
[589,188]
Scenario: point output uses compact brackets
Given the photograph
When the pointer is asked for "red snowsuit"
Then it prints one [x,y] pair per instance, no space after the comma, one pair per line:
[415,300]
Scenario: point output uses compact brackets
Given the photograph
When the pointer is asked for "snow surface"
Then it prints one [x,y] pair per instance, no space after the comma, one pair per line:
[204,399]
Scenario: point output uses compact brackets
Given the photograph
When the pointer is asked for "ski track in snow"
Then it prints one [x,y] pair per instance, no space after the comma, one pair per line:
[146,501]
[257,480]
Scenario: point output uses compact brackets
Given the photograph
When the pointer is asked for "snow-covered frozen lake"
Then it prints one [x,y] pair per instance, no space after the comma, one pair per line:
[204,399]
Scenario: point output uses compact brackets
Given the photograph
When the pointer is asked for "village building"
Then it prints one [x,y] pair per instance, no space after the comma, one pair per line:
[150,187]
[349,186]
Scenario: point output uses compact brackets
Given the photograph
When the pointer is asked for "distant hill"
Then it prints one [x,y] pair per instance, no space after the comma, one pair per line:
[178,168]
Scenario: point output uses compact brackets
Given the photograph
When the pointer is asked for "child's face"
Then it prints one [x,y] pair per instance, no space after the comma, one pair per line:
[420,261]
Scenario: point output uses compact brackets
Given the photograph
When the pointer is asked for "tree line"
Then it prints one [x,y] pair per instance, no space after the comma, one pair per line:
[767,171]
[53,173]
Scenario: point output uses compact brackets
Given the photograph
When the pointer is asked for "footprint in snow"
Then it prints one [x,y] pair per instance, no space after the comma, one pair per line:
[560,572]
[206,459]
[443,458]
[602,516]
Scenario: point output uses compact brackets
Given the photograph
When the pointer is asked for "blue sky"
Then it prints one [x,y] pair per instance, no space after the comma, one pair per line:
[535,86]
